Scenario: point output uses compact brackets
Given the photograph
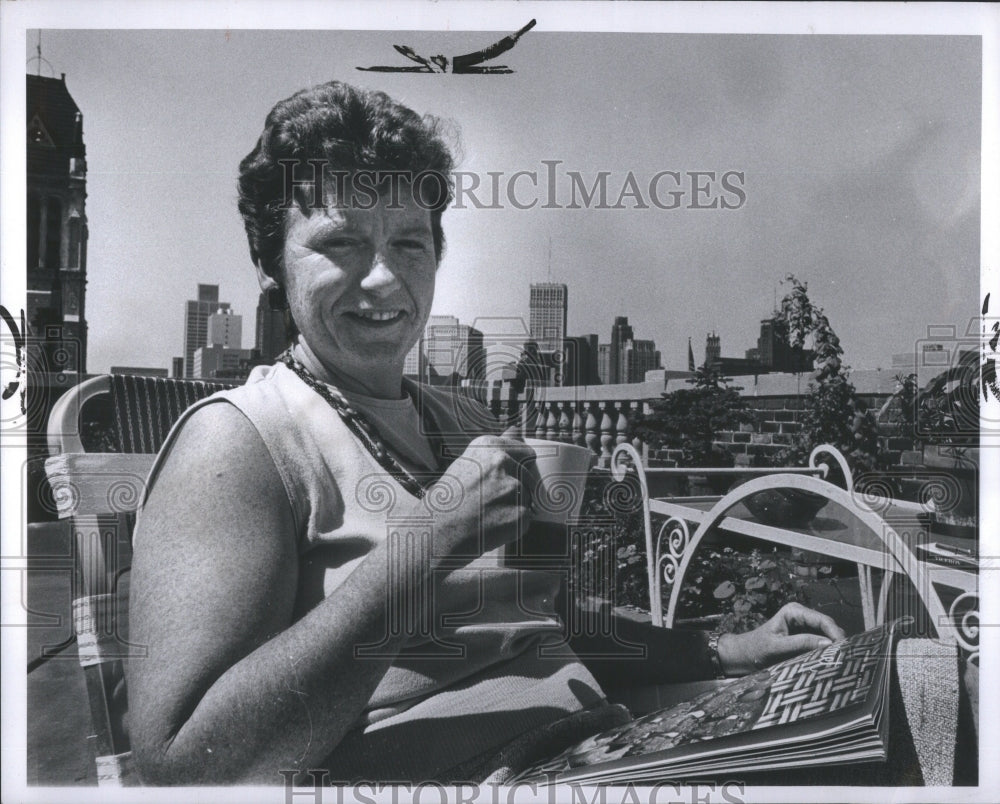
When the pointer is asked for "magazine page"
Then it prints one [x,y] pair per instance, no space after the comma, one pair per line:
[820,693]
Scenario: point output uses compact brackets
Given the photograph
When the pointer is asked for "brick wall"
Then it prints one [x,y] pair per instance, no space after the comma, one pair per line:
[778,420]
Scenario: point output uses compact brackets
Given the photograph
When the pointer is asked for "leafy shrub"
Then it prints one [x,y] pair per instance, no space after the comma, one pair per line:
[946,410]
[744,587]
[690,419]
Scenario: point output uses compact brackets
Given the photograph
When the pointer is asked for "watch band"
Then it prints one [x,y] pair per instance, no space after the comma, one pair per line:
[713,653]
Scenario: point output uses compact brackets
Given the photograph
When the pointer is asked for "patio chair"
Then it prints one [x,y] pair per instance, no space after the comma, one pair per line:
[99,492]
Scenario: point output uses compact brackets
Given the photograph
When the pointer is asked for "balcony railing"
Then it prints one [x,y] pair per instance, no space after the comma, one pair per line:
[597,417]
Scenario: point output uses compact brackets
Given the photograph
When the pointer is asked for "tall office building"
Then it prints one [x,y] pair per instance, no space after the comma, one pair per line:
[580,365]
[447,353]
[547,319]
[626,359]
[451,351]
[225,329]
[57,229]
[196,314]
[621,333]
[776,354]
[223,355]
[638,357]
[604,363]
[440,347]
[271,333]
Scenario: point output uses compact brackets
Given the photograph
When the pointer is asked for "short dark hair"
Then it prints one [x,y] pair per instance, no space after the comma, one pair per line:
[350,129]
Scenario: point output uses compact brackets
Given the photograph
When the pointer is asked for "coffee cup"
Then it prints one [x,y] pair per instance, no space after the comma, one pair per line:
[557,480]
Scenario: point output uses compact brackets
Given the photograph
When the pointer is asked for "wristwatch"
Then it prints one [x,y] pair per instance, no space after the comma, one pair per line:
[713,653]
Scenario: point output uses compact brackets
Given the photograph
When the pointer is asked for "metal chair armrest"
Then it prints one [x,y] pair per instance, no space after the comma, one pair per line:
[64,421]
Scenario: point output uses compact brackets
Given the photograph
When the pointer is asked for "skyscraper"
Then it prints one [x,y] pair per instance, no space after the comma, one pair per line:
[448,353]
[621,333]
[604,363]
[454,351]
[218,361]
[638,357]
[223,355]
[57,229]
[776,354]
[196,313]
[225,329]
[580,366]
[547,320]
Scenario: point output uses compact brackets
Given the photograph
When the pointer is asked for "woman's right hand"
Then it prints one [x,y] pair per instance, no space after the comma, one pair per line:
[482,501]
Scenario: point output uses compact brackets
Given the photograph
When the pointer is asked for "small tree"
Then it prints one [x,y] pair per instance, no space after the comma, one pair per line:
[834,414]
[690,419]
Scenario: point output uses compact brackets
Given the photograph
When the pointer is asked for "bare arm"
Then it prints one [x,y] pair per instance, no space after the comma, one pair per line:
[232,690]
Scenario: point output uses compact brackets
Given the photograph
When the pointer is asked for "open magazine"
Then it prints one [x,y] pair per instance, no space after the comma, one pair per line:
[827,707]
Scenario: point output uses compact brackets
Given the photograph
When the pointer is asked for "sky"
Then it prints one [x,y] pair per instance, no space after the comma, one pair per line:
[860,158]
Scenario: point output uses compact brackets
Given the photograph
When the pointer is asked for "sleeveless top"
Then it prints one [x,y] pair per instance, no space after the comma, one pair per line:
[473,675]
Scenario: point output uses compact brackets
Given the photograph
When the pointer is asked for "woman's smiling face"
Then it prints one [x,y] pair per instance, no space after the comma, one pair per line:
[360,283]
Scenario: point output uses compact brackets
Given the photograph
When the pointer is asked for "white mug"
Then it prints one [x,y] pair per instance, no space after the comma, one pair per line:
[558,480]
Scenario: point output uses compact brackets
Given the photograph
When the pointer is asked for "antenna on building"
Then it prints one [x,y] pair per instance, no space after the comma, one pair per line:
[38,58]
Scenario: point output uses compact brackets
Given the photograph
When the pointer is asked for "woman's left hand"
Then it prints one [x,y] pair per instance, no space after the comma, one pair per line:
[793,630]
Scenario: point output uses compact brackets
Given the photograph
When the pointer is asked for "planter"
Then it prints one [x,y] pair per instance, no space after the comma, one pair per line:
[785,507]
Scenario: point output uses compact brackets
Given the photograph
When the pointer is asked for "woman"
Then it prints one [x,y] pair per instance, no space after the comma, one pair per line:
[313,573]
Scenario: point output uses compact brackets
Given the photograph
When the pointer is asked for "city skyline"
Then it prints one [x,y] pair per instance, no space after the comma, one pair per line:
[508,330]
[872,197]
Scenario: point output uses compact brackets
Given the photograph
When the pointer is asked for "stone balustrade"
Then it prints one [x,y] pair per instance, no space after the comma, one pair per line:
[598,416]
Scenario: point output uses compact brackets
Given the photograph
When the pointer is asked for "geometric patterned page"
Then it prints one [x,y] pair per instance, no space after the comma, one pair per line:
[807,686]
[842,674]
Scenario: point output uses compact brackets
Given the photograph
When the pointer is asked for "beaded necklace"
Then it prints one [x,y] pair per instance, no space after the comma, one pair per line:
[366,432]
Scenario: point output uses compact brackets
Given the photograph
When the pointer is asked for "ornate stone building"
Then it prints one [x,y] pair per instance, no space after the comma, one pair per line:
[57,230]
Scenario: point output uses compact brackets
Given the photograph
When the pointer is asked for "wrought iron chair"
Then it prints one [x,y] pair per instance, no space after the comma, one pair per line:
[890,527]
